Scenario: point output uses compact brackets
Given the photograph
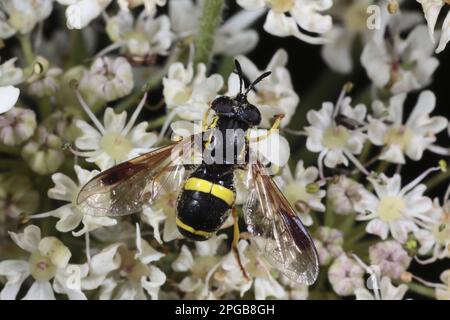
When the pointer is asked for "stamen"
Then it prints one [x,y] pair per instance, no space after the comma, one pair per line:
[439,150]
[110,48]
[89,112]
[295,132]
[87,239]
[373,276]
[416,181]
[433,258]
[166,125]
[135,115]
[320,163]
[356,162]
[429,284]
[345,89]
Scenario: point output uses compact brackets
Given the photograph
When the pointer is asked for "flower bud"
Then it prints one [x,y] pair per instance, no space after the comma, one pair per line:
[44,153]
[17,126]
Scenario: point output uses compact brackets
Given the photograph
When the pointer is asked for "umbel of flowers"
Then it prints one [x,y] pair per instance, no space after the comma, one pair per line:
[118,78]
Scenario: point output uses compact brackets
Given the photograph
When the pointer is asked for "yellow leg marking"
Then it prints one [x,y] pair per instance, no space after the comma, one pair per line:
[205,119]
[211,126]
[234,244]
[188,228]
[274,127]
[197,184]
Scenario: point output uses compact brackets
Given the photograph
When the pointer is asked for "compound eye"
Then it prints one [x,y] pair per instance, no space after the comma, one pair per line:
[223,105]
[252,115]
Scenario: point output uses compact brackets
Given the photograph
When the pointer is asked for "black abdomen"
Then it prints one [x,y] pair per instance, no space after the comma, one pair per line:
[201,213]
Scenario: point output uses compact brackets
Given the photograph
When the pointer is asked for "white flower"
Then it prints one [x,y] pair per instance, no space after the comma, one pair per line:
[43,152]
[286,17]
[80,13]
[150,5]
[147,36]
[232,38]
[126,274]
[294,291]
[275,95]
[21,16]
[49,259]
[344,194]
[434,234]
[187,95]
[70,215]
[231,276]
[328,243]
[337,52]
[8,98]
[387,291]
[302,190]
[400,65]
[345,275]
[108,79]
[201,267]
[115,140]
[333,141]
[161,210]
[394,209]
[431,9]
[411,138]
[10,74]
[392,259]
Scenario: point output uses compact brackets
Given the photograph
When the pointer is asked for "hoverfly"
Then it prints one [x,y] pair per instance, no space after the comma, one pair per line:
[207,193]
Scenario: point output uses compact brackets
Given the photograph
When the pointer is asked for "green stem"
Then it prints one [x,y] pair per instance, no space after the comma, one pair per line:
[27,48]
[329,214]
[210,20]
[156,123]
[13,151]
[437,180]
[357,233]
[45,108]
[422,290]
[78,48]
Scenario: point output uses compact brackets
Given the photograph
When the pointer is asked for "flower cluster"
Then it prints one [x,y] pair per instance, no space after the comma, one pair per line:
[135,72]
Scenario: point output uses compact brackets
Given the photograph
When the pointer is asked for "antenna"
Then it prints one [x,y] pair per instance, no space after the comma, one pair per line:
[254,83]
[240,74]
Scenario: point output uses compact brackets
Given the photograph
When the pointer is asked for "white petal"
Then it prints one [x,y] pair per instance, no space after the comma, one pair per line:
[378,227]
[15,271]
[145,252]
[29,239]
[156,279]
[185,260]
[40,291]
[445,34]
[8,98]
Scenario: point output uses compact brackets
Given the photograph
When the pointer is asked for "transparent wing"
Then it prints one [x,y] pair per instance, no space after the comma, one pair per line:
[123,189]
[277,231]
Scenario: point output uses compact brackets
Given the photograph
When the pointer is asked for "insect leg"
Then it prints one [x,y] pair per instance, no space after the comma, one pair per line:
[274,127]
[235,242]
[205,119]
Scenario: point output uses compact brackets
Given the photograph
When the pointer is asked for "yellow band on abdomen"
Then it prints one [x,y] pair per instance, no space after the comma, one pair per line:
[188,228]
[201,185]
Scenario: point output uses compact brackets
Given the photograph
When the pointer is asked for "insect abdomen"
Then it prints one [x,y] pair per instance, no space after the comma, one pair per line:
[203,207]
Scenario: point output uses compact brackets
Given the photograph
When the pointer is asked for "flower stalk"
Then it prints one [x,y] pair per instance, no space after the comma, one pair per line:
[210,20]
[27,48]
